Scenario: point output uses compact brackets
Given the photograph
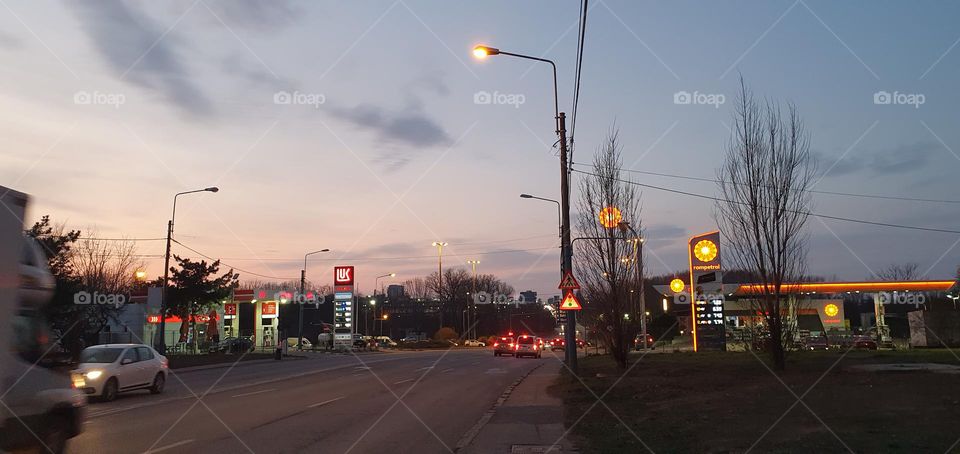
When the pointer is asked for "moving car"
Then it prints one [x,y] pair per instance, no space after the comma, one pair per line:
[638,341]
[292,343]
[42,409]
[527,346]
[113,368]
[557,344]
[503,346]
[865,343]
[385,341]
[816,343]
[473,343]
[234,345]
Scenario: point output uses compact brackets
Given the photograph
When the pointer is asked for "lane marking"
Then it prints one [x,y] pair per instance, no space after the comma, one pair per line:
[171,446]
[358,375]
[325,402]
[255,392]
[403,381]
[423,368]
[445,371]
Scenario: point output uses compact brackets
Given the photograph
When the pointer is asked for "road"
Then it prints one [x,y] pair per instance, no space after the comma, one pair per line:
[421,402]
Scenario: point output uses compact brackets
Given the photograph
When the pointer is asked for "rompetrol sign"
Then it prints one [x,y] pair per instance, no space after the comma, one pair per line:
[706,292]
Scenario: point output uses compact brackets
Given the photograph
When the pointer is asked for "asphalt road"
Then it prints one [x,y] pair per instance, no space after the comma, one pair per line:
[420,402]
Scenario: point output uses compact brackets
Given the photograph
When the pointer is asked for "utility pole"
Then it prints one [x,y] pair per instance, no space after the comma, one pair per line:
[566,250]
[439,245]
[163,294]
[472,314]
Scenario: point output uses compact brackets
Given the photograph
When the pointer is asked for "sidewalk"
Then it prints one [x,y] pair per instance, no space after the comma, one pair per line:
[528,421]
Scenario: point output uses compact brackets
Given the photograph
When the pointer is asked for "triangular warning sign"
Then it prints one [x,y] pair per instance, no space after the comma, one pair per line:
[570,303]
[569,282]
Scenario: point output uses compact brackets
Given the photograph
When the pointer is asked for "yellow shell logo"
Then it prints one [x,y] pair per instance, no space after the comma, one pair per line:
[705,250]
[676,285]
[831,310]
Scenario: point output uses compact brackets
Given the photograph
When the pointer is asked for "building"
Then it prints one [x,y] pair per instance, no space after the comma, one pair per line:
[395,292]
[528,296]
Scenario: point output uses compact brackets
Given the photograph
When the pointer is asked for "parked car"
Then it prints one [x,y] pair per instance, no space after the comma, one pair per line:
[557,344]
[292,343]
[233,345]
[474,343]
[359,342]
[385,341]
[113,368]
[816,343]
[865,343]
[503,346]
[527,346]
[638,341]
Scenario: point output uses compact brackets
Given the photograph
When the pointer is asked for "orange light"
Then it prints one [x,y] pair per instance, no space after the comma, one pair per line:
[479,52]
[677,285]
[705,250]
[831,310]
[610,217]
[840,287]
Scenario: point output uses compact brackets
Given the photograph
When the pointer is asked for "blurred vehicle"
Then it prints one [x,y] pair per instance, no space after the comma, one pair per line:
[113,368]
[638,341]
[474,343]
[581,343]
[42,409]
[359,342]
[385,341]
[816,343]
[864,343]
[503,346]
[234,345]
[557,344]
[292,343]
[526,346]
[410,339]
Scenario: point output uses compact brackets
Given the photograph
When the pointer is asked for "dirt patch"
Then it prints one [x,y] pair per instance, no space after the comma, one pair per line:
[731,402]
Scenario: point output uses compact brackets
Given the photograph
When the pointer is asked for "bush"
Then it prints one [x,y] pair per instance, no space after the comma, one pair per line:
[446,333]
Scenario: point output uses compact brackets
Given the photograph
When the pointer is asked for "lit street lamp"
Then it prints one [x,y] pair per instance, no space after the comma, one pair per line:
[302,298]
[473,297]
[638,241]
[166,266]
[375,287]
[566,251]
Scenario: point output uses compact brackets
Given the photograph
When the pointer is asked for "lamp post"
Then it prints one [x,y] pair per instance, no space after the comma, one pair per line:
[559,216]
[473,294]
[637,241]
[303,292]
[439,245]
[166,266]
[566,251]
[376,285]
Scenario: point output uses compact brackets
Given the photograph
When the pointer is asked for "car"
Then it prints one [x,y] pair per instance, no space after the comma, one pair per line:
[292,343]
[113,368]
[527,345]
[557,344]
[638,341]
[503,346]
[385,341]
[865,343]
[234,345]
[816,343]
[473,343]
[358,341]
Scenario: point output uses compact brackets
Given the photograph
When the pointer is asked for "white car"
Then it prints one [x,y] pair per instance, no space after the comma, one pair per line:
[113,368]
[292,343]
[474,343]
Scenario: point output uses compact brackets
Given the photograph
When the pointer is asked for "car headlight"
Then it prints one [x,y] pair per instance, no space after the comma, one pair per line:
[94,374]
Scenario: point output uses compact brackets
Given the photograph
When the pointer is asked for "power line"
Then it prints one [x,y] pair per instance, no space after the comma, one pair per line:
[823,216]
[122,239]
[581,34]
[410,257]
[814,191]
[231,266]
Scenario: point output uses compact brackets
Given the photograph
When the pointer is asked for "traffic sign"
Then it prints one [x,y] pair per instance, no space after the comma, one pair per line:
[569,282]
[570,302]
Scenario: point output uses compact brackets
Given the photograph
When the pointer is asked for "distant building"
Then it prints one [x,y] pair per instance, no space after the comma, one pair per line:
[395,292]
[528,296]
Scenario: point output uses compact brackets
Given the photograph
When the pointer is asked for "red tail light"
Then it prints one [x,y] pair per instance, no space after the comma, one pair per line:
[496,344]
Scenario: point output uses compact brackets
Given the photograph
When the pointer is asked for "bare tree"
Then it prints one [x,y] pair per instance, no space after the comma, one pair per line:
[106,267]
[899,272]
[764,184]
[604,266]
[417,288]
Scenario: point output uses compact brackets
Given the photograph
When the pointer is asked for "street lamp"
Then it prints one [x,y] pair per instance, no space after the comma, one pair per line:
[566,251]
[166,265]
[638,241]
[303,292]
[559,217]
[439,245]
[473,298]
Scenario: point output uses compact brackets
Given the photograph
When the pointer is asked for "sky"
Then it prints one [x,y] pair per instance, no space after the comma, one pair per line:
[369,129]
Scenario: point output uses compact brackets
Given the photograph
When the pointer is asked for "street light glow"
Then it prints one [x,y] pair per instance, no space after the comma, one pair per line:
[482,52]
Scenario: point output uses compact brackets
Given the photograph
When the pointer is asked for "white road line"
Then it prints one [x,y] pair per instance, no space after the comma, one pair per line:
[164,448]
[403,381]
[358,375]
[423,368]
[325,402]
[255,392]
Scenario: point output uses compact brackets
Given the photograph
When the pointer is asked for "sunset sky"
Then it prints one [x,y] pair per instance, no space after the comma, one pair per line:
[107,109]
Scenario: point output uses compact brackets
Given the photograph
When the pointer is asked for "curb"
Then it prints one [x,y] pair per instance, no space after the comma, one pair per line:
[468,437]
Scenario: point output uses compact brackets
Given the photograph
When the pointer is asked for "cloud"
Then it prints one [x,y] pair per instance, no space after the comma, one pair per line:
[407,127]
[124,37]
[899,159]
[664,231]
[256,14]
[9,42]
